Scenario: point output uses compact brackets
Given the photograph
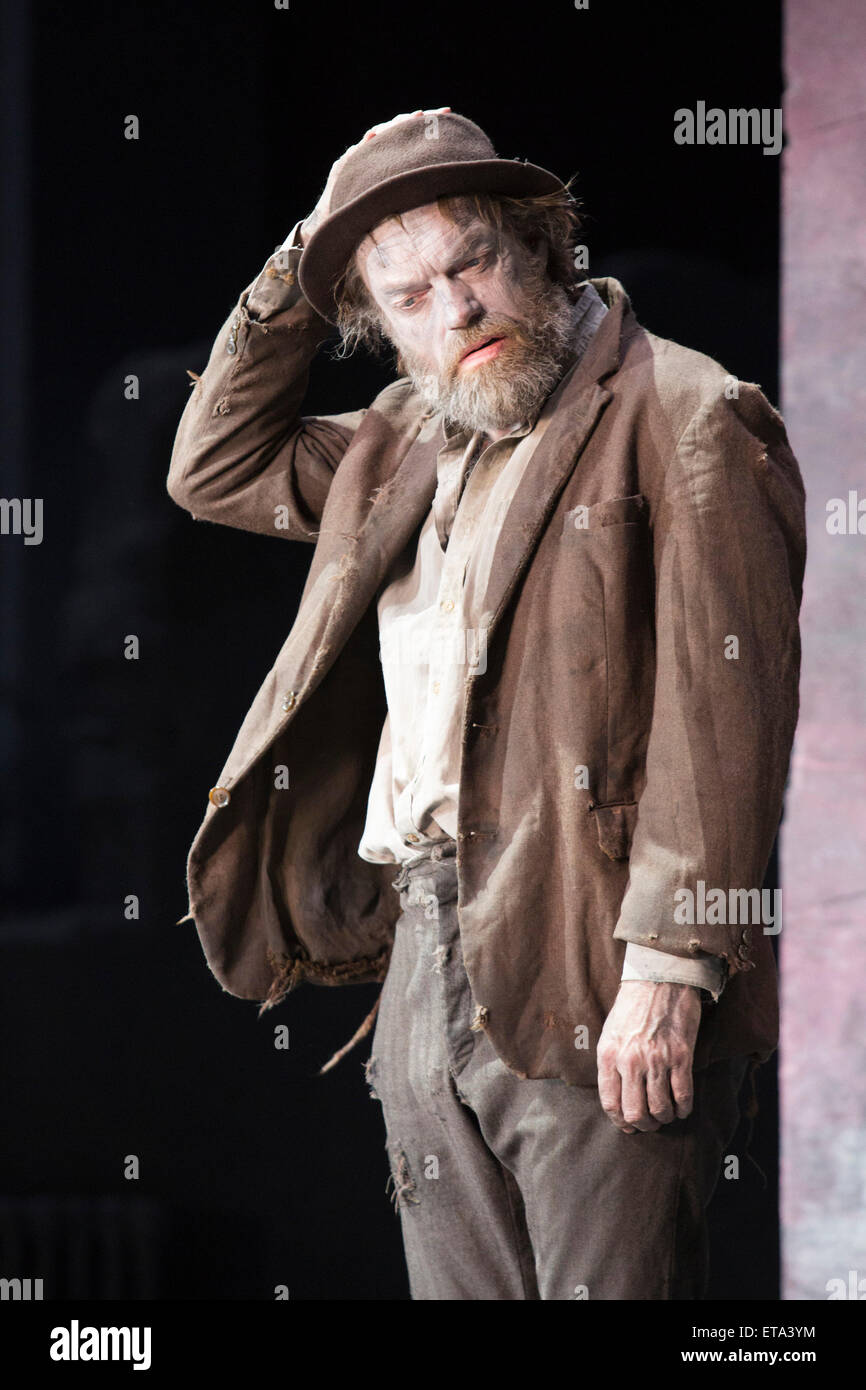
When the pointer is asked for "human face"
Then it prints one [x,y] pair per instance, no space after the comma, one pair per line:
[479,328]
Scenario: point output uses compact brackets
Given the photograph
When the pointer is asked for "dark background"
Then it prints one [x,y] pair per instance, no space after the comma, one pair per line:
[125,257]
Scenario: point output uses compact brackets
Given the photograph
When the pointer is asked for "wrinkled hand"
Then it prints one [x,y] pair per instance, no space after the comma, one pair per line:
[320,211]
[645,1055]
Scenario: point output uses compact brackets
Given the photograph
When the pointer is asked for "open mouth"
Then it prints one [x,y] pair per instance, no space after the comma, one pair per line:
[482,351]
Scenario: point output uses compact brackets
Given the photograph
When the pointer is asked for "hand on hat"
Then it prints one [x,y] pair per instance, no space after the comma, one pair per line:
[404,116]
[320,211]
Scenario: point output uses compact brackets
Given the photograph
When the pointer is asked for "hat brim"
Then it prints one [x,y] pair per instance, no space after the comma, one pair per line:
[329,248]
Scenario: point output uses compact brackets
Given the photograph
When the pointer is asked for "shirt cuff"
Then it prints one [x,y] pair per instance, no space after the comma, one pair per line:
[277,286]
[703,970]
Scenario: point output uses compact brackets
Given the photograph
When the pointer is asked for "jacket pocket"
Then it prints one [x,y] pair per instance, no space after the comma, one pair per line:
[618,511]
[614,824]
[594,517]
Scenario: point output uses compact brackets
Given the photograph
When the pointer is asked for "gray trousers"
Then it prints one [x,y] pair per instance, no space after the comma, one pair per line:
[511,1189]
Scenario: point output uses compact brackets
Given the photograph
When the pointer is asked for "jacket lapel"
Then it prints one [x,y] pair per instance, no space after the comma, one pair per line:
[581,402]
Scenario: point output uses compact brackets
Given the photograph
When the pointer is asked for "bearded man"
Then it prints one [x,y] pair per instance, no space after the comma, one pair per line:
[522,756]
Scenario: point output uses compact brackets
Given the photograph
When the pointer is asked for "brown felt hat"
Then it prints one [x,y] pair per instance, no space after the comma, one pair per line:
[407,165]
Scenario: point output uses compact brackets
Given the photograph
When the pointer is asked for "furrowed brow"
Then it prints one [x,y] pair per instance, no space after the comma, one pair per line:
[479,240]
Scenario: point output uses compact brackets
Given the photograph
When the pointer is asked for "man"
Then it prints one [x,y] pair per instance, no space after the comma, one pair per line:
[545,666]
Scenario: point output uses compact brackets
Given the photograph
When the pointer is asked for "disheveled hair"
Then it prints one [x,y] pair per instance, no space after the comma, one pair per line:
[552,218]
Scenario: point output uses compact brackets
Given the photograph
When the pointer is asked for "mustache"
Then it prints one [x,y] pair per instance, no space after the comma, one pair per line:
[493,326]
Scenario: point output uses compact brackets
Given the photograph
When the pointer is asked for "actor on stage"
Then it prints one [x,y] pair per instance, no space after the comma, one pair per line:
[522,755]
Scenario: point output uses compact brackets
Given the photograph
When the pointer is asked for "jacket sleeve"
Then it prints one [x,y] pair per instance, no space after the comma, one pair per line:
[729,554]
[703,971]
[243,455]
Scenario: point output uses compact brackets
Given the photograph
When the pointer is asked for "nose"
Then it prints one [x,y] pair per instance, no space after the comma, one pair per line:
[458,304]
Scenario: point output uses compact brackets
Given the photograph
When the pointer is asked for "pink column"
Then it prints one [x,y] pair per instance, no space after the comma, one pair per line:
[823,844]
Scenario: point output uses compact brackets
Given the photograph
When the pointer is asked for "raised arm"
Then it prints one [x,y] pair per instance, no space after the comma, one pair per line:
[244,455]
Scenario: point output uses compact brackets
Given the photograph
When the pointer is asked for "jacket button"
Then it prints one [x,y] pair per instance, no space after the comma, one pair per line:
[411,840]
[290,699]
[218,796]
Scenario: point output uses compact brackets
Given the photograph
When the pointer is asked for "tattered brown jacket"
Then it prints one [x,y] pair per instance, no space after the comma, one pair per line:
[661,515]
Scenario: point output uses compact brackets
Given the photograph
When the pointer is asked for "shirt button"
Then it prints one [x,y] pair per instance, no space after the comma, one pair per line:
[435,687]
[219,797]
[290,699]
[446,605]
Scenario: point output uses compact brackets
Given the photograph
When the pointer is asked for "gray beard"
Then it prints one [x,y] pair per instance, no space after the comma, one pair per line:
[497,399]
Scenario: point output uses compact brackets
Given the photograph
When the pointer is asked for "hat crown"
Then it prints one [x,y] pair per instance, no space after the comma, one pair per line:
[406,165]
[444,138]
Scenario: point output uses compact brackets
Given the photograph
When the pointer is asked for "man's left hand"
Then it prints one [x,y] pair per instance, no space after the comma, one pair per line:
[645,1055]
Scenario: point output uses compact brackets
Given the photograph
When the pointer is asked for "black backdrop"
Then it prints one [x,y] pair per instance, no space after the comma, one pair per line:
[115,1039]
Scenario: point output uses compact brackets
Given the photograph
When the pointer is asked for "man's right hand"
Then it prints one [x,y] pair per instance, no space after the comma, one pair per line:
[322,208]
